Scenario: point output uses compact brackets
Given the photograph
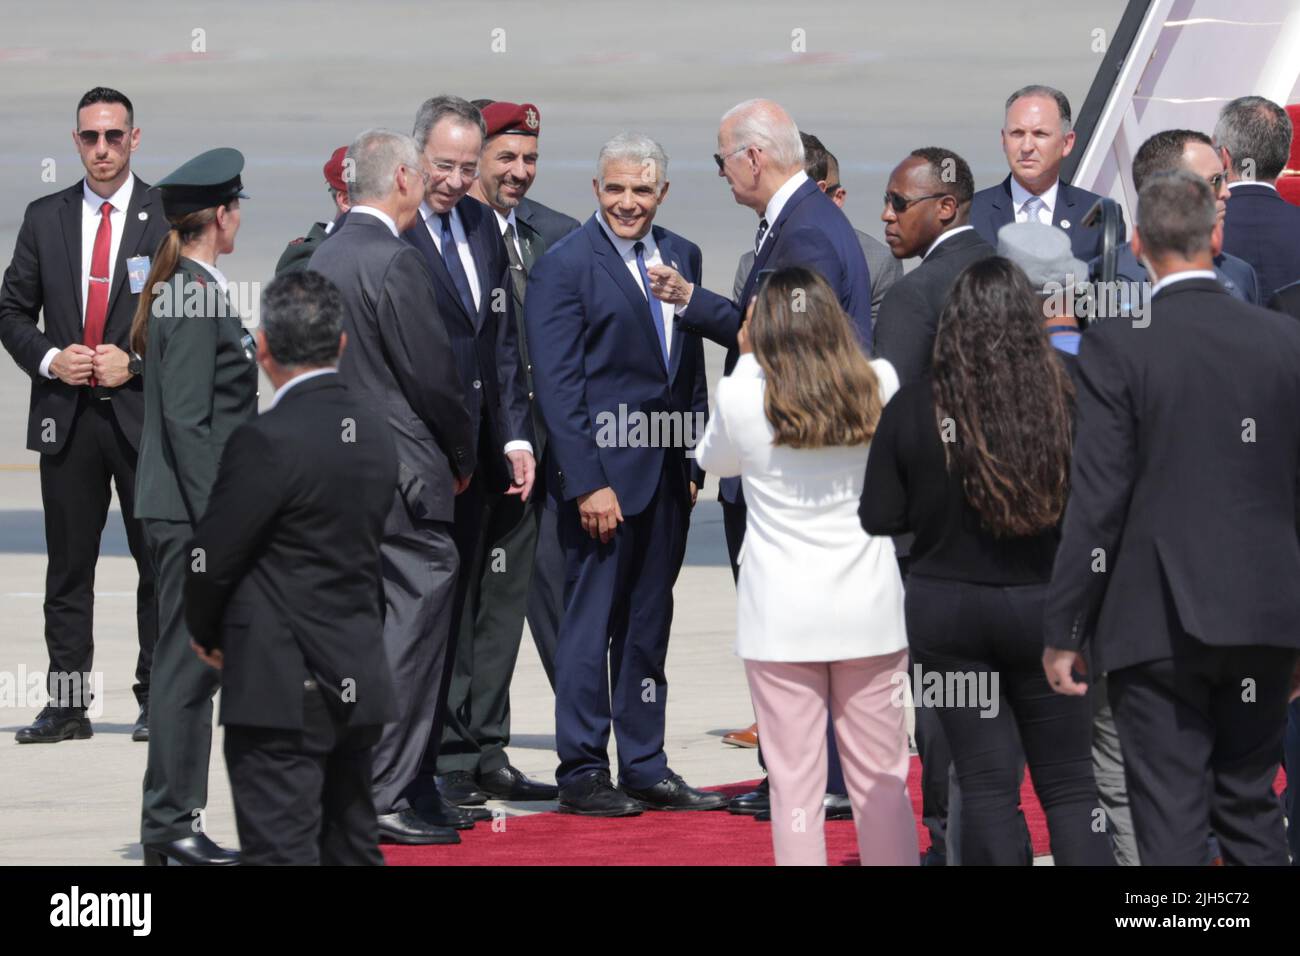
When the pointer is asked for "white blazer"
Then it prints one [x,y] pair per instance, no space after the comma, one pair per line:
[813,585]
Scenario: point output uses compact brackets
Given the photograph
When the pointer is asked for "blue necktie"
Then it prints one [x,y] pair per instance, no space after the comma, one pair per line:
[656,314]
[451,259]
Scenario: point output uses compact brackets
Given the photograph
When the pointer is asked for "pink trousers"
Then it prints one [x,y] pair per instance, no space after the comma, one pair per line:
[790,702]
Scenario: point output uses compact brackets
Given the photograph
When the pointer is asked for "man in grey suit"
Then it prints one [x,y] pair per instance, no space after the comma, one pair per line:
[824,169]
[399,363]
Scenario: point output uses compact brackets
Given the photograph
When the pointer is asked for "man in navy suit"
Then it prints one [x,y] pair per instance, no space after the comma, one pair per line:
[1254,140]
[464,252]
[1165,152]
[1036,136]
[623,395]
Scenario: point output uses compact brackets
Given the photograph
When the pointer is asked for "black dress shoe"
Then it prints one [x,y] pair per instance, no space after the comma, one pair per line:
[410,829]
[508,783]
[140,732]
[459,789]
[755,801]
[54,724]
[673,793]
[594,795]
[440,813]
[837,807]
[197,850]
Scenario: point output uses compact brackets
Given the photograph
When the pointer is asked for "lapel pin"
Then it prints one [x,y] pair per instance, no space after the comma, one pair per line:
[143,215]
[1065,224]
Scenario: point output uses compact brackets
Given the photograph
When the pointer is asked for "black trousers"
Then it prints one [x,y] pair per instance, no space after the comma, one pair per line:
[76,493]
[546,592]
[302,797]
[1201,734]
[477,717]
[986,643]
[180,711]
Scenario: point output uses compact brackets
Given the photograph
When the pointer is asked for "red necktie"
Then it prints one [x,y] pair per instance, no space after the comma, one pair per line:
[97,288]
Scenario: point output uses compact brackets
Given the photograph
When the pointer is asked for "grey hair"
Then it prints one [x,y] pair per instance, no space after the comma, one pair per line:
[766,125]
[375,156]
[1253,128]
[1176,213]
[437,108]
[302,319]
[1038,89]
[635,148]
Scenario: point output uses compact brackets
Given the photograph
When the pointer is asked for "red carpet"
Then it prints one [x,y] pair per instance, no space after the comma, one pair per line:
[662,839]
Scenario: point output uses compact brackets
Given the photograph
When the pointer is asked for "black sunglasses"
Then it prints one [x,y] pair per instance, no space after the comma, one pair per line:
[114,137]
[722,160]
[902,203]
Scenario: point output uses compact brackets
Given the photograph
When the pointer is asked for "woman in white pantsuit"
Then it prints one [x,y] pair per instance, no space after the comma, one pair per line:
[820,606]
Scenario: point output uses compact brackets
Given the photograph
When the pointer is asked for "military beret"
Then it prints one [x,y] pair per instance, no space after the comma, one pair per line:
[209,179]
[334,169]
[521,118]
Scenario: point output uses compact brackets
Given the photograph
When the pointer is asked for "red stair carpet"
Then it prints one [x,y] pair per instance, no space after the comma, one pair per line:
[662,839]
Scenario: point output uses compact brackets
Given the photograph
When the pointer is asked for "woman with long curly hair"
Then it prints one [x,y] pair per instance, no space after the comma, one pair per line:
[975,462]
[820,603]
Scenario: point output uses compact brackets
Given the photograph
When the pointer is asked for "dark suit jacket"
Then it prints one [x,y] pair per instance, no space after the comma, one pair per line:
[1264,229]
[1287,299]
[992,208]
[909,316]
[1235,275]
[399,362]
[1184,482]
[486,344]
[549,223]
[200,384]
[885,270]
[45,275]
[290,586]
[596,359]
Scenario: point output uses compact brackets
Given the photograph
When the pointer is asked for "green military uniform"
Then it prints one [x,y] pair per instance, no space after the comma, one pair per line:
[200,384]
[298,252]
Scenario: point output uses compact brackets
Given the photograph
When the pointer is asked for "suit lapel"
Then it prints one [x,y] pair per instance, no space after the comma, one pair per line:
[481,254]
[70,217]
[668,253]
[1002,209]
[132,232]
[418,236]
[1064,211]
[613,264]
[772,238]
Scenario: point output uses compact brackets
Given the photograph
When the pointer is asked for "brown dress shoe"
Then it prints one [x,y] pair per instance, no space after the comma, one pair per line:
[742,738]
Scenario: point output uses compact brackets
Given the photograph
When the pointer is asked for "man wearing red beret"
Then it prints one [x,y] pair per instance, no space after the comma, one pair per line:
[298,252]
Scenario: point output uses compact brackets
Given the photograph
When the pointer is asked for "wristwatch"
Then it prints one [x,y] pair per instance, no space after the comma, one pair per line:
[135,365]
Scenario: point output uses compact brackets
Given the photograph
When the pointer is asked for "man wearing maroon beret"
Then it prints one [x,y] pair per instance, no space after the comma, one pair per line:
[298,252]
[477,728]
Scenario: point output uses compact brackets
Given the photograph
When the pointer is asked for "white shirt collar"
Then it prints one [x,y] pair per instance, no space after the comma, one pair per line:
[297,379]
[428,215]
[1180,276]
[120,199]
[379,214]
[1251,182]
[1020,195]
[943,236]
[782,196]
[507,220]
[213,271]
[625,246]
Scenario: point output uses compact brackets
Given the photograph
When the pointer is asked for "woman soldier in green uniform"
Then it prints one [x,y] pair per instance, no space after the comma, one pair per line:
[200,384]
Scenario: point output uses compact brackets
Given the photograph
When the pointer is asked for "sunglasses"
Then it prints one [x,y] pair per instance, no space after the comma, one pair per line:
[721,160]
[114,137]
[902,203]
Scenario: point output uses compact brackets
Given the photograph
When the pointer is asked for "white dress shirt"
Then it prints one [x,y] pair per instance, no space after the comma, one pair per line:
[90,219]
[502,222]
[813,585]
[379,214]
[625,248]
[1180,276]
[778,201]
[433,222]
[283,389]
[944,237]
[1020,195]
